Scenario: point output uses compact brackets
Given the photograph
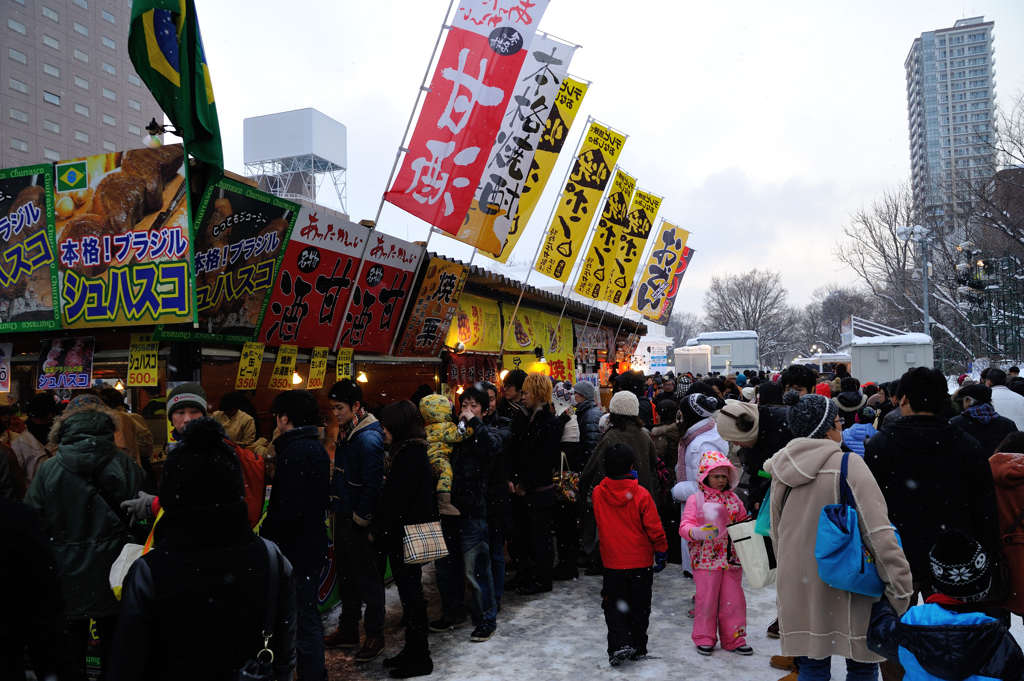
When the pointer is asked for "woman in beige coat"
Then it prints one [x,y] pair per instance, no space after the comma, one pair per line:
[815,620]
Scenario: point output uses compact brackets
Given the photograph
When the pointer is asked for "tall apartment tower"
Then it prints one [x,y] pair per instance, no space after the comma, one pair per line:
[67,86]
[950,100]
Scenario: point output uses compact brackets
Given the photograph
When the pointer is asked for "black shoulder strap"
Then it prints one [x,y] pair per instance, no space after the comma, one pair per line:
[845,493]
[272,579]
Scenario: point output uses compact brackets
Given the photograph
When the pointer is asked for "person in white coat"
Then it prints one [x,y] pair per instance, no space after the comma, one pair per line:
[1006,402]
[700,435]
[30,447]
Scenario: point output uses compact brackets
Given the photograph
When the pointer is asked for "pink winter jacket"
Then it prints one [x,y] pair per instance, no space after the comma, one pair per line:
[712,554]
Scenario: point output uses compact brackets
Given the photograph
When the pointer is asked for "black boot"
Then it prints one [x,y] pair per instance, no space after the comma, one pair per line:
[396,661]
[414,664]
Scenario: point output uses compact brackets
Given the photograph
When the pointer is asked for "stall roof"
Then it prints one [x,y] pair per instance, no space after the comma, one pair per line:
[497,286]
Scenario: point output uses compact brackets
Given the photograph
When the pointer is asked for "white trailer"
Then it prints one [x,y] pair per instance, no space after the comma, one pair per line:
[731,351]
[886,358]
[695,359]
[826,362]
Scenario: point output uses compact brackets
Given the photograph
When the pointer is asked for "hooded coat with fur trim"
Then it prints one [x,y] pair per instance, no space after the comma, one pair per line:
[717,553]
[849,403]
[1008,475]
[85,533]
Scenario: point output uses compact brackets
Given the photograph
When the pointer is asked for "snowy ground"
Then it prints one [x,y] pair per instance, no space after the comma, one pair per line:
[561,635]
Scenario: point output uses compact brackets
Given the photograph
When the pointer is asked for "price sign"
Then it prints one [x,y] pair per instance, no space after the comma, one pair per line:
[343,366]
[284,367]
[249,365]
[142,360]
[5,367]
[317,368]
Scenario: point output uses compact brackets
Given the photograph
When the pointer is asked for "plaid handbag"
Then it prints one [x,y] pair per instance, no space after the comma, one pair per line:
[566,482]
[423,543]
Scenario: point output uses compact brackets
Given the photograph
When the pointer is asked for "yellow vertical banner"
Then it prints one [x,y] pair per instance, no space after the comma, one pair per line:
[317,368]
[556,130]
[642,212]
[605,244]
[343,365]
[656,277]
[578,204]
[284,367]
[249,365]
[142,361]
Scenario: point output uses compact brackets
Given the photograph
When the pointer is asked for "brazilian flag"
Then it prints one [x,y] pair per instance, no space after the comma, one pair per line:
[166,48]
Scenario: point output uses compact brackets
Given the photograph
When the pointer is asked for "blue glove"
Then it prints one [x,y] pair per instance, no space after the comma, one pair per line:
[660,558]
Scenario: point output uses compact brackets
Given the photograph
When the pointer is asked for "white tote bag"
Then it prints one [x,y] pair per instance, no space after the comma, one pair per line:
[755,553]
[119,570]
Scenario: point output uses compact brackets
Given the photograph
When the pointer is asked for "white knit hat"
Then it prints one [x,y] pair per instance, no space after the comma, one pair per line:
[624,403]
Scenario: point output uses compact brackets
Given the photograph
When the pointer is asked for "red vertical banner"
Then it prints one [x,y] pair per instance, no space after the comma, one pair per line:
[462,113]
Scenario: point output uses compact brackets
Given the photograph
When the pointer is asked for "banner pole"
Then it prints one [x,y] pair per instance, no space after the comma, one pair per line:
[632,288]
[412,114]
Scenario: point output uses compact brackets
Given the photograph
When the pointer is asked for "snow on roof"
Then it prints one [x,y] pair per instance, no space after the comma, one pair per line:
[693,349]
[902,339]
[726,335]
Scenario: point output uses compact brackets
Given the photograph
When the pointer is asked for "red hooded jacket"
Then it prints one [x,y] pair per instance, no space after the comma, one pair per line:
[628,527]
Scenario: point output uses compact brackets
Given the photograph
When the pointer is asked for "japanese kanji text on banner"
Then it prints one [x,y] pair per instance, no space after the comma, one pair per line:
[669,300]
[658,272]
[143,367]
[437,303]
[65,363]
[642,212]
[284,367]
[497,198]
[343,364]
[249,365]
[605,244]
[478,325]
[317,368]
[469,93]
[577,206]
[552,139]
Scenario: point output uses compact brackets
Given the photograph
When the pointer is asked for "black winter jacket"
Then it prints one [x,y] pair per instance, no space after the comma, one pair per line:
[536,449]
[646,412]
[772,435]
[358,476]
[472,463]
[298,500]
[408,497]
[588,417]
[499,501]
[193,607]
[933,476]
[990,434]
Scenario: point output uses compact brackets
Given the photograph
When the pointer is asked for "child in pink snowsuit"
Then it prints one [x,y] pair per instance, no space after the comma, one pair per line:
[721,606]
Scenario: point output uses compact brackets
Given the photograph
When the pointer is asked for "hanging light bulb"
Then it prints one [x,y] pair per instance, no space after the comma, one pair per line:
[459,390]
[296,378]
[503,374]
[361,378]
[119,385]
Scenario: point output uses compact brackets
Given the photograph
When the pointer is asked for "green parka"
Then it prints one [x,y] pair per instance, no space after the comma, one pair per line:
[85,534]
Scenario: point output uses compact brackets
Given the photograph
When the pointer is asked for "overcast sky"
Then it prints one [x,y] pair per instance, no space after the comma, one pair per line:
[764,125]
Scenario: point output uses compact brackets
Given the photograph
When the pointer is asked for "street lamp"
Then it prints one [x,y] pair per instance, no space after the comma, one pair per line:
[922,237]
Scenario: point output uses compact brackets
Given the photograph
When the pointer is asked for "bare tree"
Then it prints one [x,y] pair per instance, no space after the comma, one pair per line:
[753,301]
[682,326]
[821,319]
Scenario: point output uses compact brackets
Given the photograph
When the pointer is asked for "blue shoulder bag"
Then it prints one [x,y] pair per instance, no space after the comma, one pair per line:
[843,560]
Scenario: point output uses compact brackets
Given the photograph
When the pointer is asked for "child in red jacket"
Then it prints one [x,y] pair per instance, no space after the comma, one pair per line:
[633,547]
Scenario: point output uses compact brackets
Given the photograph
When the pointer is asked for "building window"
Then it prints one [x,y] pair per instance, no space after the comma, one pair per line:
[79,28]
[725,350]
[134,129]
[81,56]
[81,136]
[17,26]
[50,14]
[109,146]
[84,4]
[51,155]
[51,42]
[82,109]
[19,86]
[107,42]
[51,98]
[135,105]
[82,83]
[109,120]
[52,127]
[51,70]
[109,68]
[17,56]
[109,94]
[19,144]
[19,115]
[134,80]
[107,16]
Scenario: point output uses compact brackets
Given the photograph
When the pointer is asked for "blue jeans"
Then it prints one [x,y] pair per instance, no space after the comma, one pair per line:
[498,560]
[469,556]
[821,670]
[309,635]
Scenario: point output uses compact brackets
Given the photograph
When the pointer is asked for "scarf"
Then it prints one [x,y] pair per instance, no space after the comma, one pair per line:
[983,413]
[346,431]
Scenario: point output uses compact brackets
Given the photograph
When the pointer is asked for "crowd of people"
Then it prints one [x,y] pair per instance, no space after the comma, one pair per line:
[529,484]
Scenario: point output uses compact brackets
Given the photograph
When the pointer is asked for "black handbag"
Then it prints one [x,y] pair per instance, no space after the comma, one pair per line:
[261,667]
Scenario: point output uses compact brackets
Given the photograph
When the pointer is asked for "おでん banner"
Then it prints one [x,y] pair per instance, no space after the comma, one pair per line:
[669,300]
[605,244]
[318,274]
[642,212]
[122,239]
[475,78]
[437,303]
[497,197]
[657,273]
[590,174]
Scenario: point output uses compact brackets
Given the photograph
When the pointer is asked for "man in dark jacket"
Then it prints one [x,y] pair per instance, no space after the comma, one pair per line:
[933,475]
[980,418]
[760,432]
[499,502]
[588,417]
[356,486]
[468,537]
[296,517]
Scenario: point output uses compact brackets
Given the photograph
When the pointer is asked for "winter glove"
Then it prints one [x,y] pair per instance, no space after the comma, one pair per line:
[660,558]
[704,533]
[141,508]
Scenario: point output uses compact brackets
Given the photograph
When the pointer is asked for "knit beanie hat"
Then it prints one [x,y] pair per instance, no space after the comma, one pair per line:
[812,417]
[960,567]
[823,389]
[737,421]
[586,389]
[624,403]
[201,470]
[186,395]
[749,394]
[697,406]
[562,396]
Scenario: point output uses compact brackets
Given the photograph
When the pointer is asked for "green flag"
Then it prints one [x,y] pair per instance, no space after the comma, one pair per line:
[166,48]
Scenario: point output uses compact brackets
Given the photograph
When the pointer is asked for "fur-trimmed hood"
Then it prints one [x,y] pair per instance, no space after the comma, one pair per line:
[71,412]
[84,436]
